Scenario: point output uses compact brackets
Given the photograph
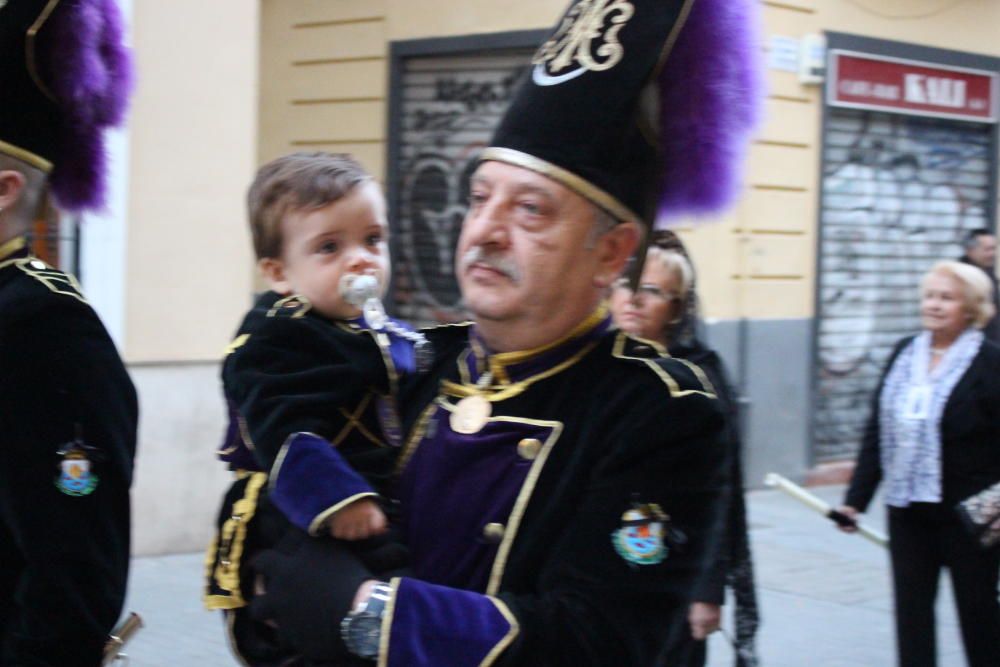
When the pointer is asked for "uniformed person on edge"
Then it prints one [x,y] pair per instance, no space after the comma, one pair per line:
[67,407]
[558,486]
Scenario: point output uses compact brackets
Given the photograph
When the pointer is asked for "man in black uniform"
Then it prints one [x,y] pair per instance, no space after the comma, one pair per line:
[560,481]
[67,407]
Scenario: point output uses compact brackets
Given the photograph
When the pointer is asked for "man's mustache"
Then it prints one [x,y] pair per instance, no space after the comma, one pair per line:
[493,260]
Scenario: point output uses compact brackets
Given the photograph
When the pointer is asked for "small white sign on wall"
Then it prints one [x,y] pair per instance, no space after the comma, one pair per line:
[783,53]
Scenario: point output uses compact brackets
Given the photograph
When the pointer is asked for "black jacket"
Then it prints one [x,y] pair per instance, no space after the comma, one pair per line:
[64,543]
[292,371]
[629,427]
[288,371]
[730,562]
[970,434]
[570,528]
[733,528]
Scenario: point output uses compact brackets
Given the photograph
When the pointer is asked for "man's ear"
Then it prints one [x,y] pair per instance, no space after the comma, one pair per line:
[11,186]
[613,249]
[273,270]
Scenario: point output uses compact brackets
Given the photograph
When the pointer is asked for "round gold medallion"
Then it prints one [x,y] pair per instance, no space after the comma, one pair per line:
[470,415]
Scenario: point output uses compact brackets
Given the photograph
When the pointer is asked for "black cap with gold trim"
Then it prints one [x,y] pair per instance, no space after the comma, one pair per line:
[65,77]
[644,107]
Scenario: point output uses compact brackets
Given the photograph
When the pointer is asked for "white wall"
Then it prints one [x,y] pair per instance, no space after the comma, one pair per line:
[184,277]
[103,236]
[178,482]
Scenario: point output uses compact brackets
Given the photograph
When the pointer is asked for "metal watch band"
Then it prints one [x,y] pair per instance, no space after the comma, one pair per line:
[372,608]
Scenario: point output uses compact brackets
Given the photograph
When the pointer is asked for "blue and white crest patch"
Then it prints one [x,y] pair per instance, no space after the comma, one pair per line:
[640,540]
[75,475]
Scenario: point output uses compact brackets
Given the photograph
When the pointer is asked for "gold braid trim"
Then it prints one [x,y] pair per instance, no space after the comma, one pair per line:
[226,572]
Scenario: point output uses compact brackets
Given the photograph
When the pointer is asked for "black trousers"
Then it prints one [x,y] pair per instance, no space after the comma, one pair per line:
[924,538]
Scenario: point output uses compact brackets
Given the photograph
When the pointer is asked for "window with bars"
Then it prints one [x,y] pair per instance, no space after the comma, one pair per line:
[56,241]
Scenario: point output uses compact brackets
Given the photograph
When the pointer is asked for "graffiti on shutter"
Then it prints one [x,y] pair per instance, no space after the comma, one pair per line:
[898,194]
[450,107]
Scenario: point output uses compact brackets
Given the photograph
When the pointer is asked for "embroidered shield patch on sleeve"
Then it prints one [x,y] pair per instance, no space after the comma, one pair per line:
[640,540]
[75,475]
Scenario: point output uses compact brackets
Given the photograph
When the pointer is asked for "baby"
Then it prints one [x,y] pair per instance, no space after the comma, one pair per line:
[311,374]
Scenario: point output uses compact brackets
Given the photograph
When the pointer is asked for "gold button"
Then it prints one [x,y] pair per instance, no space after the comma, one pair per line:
[529,448]
[493,532]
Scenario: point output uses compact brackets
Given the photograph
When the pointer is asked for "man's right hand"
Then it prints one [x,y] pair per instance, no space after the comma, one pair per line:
[704,619]
[850,512]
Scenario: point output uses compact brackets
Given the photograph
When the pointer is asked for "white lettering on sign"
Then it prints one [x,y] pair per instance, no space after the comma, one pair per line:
[936,90]
[881,91]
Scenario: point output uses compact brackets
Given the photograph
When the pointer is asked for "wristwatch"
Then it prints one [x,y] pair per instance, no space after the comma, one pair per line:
[361,629]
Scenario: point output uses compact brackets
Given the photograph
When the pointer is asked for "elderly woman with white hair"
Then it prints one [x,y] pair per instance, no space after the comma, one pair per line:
[933,439]
[664,311]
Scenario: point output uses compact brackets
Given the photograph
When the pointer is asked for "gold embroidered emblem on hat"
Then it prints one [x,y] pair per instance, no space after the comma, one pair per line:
[587,37]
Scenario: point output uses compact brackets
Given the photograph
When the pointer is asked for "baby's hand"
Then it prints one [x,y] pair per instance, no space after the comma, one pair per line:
[358,521]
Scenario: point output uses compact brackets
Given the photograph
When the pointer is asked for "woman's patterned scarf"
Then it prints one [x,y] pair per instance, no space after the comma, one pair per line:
[910,408]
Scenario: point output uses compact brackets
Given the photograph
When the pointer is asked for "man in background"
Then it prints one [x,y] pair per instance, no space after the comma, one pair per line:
[980,247]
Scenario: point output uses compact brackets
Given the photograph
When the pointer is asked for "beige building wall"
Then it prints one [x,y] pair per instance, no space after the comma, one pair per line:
[193,135]
[191,152]
[770,240]
[223,88]
[324,85]
[325,68]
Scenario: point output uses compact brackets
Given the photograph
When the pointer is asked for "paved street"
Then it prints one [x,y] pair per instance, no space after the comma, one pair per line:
[825,597]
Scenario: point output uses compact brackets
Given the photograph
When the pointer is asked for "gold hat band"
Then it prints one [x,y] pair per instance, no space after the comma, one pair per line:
[36,161]
[581,186]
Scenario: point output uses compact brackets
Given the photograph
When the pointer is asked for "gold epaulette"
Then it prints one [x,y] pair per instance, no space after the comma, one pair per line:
[54,279]
[634,347]
[657,360]
[291,306]
[236,344]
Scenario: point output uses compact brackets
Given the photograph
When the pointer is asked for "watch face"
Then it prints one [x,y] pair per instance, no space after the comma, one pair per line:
[364,632]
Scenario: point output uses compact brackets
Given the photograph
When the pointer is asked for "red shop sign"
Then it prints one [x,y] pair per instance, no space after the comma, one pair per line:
[864,81]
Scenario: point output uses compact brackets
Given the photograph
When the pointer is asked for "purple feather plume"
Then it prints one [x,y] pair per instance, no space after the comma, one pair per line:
[711,93]
[88,70]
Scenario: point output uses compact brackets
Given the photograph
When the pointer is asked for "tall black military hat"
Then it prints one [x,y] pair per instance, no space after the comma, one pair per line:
[643,107]
[65,77]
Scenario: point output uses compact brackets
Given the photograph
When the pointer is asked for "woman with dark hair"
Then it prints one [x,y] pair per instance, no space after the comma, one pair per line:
[663,309]
[933,441]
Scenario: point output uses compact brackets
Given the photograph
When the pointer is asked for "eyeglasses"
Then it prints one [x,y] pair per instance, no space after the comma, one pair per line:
[644,291]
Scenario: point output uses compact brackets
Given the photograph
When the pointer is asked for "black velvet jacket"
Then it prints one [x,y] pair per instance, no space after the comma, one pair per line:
[732,537]
[64,507]
[293,371]
[529,515]
[292,376]
[970,434]
[731,563]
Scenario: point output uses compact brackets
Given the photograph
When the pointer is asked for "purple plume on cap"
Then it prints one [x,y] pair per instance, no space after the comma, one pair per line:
[88,71]
[705,128]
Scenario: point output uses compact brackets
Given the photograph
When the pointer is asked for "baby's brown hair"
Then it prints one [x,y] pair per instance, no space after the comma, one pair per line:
[303,180]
